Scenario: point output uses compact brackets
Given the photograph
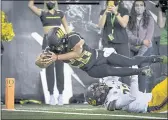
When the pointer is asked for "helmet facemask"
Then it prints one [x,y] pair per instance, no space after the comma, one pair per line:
[96,94]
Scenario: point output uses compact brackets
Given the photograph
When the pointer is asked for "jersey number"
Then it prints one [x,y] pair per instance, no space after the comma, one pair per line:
[125,89]
[84,59]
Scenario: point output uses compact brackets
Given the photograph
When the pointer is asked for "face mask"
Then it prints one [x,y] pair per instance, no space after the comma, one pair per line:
[139,10]
[50,5]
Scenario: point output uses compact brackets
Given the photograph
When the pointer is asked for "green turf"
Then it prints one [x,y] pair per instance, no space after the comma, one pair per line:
[68,109]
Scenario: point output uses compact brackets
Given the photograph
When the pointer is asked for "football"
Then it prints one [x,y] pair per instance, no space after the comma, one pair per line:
[43,60]
[44,55]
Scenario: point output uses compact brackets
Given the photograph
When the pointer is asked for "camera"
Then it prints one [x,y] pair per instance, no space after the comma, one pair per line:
[163,4]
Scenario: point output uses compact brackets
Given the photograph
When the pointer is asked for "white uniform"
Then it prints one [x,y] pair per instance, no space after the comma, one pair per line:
[127,98]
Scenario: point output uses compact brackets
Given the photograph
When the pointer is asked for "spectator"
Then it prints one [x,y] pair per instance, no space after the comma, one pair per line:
[140,33]
[50,18]
[114,20]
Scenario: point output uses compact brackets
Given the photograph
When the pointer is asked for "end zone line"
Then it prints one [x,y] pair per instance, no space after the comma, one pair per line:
[132,116]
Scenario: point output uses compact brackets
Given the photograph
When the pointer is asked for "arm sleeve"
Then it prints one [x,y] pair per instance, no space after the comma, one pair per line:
[150,30]
[74,39]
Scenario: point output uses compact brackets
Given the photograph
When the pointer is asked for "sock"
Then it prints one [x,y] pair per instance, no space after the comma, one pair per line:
[134,88]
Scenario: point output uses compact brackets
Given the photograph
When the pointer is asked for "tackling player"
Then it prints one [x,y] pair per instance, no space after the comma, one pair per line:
[115,95]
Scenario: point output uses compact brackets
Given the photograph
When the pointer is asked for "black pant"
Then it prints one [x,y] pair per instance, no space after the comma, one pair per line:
[122,49]
[106,66]
[59,67]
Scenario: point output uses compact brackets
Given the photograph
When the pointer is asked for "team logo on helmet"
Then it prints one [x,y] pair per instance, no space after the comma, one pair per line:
[57,40]
[59,33]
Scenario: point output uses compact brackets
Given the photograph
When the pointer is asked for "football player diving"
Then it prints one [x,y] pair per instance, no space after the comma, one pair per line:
[72,49]
[115,95]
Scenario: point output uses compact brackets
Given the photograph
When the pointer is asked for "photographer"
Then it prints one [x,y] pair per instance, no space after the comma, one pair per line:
[113,20]
[163,6]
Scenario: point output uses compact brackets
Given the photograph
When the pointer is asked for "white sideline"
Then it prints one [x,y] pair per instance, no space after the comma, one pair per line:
[71,113]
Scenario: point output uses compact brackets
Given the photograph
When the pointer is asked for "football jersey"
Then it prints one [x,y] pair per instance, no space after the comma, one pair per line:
[88,56]
[120,94]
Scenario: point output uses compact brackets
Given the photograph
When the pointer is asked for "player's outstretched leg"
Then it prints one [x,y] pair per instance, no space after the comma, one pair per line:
[123,61]
[106,70]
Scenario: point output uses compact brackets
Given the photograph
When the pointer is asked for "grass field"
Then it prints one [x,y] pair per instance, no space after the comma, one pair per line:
[71,112]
